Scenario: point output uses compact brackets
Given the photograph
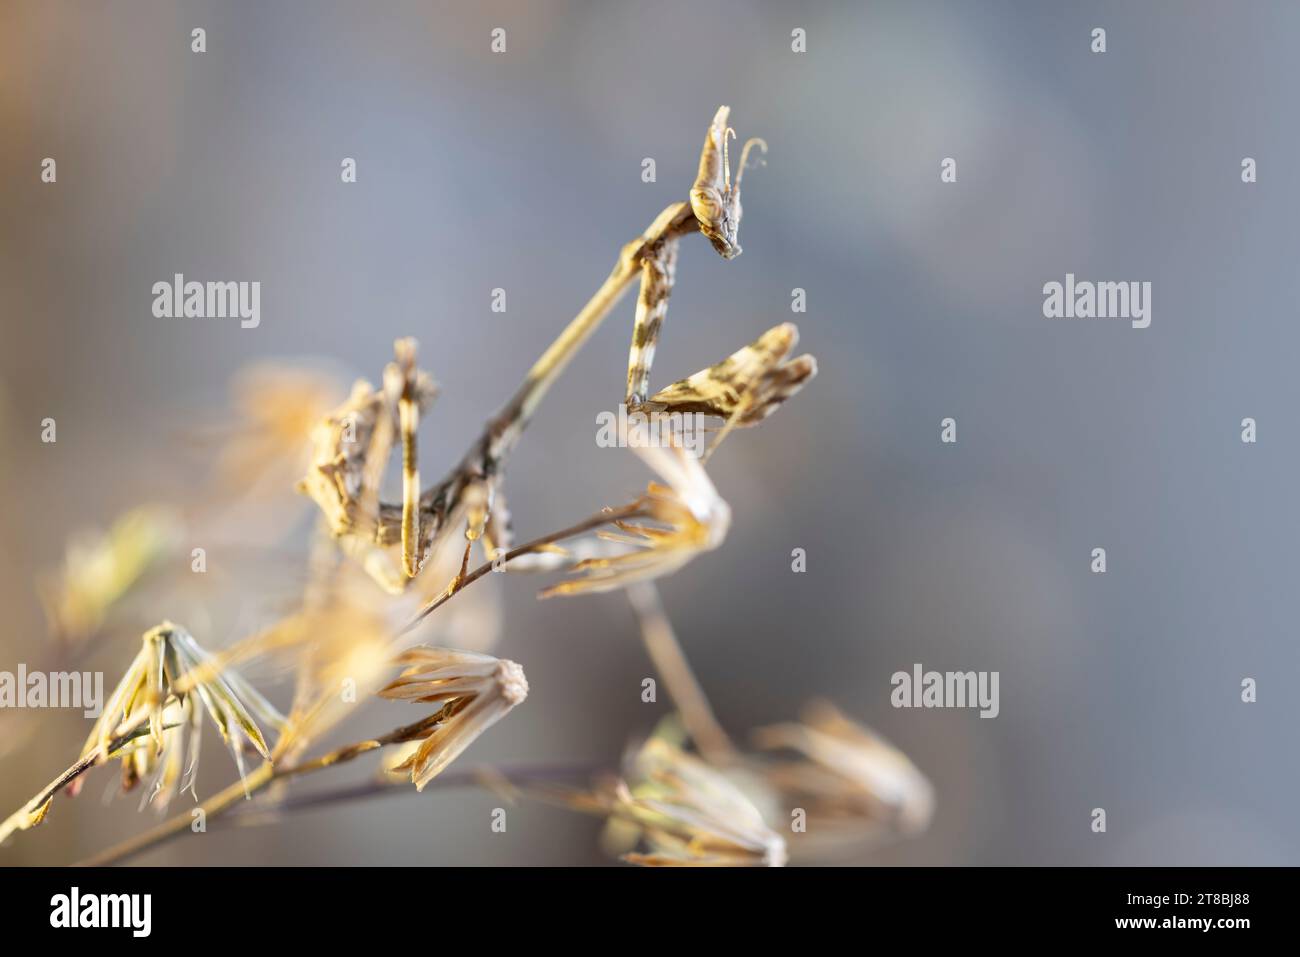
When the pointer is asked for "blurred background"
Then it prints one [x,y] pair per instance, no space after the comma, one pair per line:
[522,171]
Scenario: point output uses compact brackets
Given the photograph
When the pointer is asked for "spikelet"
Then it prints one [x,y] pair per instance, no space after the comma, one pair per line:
[155,691]
[476,692]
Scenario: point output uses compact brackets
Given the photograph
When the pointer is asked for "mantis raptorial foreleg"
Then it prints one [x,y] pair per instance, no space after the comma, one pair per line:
[715,203]
[658,269]
[748,385]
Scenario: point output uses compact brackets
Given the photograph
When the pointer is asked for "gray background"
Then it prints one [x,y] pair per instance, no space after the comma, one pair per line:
[924,301]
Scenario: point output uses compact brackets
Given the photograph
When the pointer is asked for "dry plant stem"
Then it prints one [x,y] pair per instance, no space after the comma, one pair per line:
[464,579]
[80,767]
[346,753]
[524,777]
[670,661]
[257,781]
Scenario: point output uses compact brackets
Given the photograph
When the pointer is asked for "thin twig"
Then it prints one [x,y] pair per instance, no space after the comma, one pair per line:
[461,581]
[21,819]
[670,661]
[378,787]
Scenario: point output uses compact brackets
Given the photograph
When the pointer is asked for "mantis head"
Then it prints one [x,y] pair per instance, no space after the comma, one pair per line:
[715,197]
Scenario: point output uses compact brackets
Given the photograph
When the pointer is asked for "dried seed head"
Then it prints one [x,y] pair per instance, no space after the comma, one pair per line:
[476,691]
[694,516]
[853,784]
[158,688]
[715,197]
[512,682]
[682,811]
